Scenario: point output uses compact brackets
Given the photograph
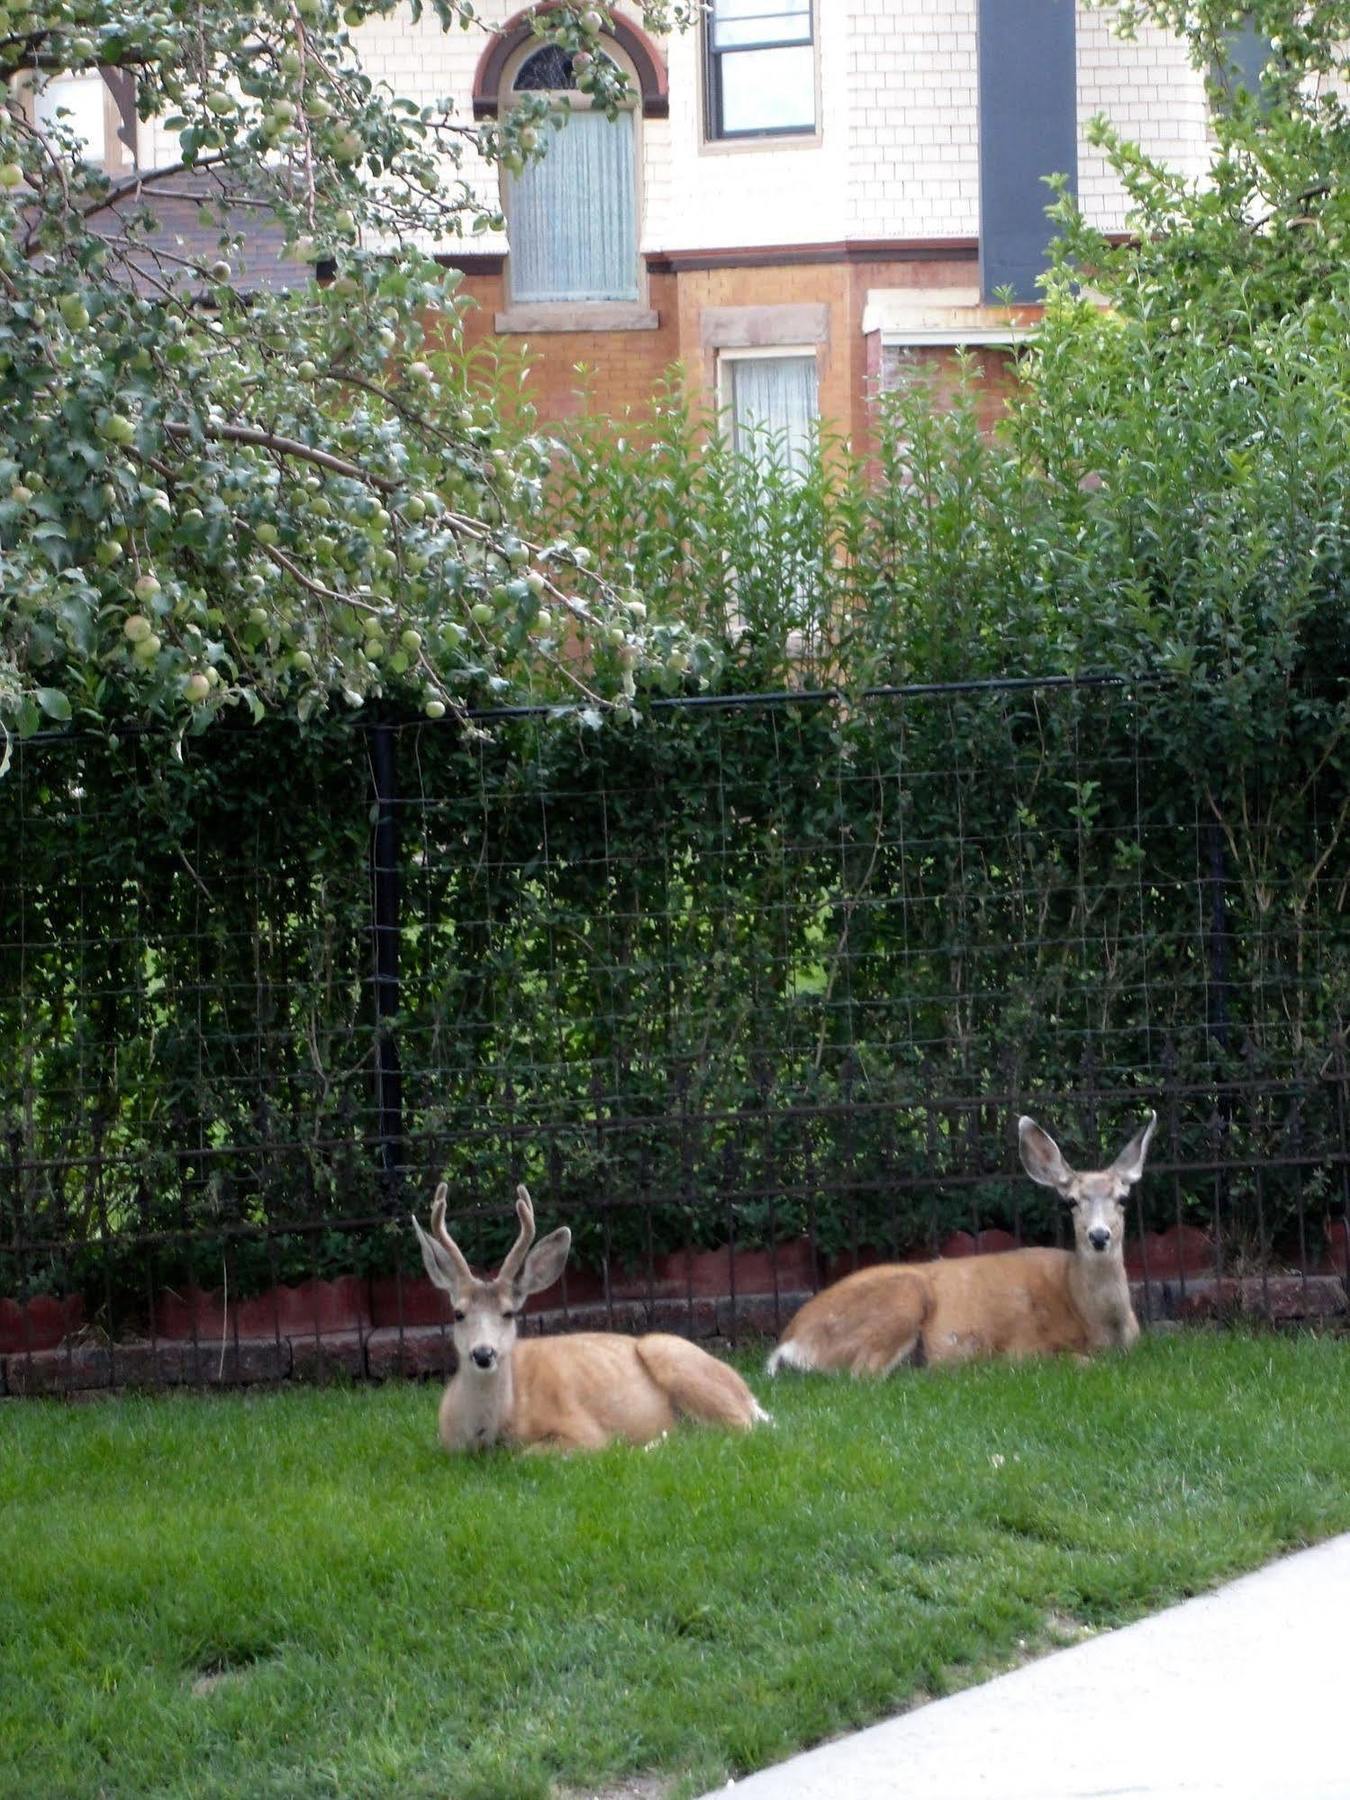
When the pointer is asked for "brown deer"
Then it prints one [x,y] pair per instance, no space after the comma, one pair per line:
[1016,1303]
[563,1393]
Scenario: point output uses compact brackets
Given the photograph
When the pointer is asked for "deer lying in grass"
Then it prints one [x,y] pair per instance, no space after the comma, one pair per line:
[565,1393]
[1016,1303]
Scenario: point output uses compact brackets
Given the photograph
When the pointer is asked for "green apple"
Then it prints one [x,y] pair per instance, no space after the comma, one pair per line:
[117,429]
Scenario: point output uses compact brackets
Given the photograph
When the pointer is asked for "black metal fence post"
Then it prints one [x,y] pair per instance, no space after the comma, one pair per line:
[1217,945]
[385,928]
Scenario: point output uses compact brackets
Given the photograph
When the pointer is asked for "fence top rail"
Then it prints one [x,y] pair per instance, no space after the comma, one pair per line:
[675,703]
[916,690]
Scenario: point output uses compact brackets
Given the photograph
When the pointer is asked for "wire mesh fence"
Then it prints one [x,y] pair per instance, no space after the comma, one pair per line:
[744,995]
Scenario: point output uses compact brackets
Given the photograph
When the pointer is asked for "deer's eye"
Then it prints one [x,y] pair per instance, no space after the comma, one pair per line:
[507,1315]
[459,1315]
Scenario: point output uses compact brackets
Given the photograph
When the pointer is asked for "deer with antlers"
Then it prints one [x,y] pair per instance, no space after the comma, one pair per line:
[565,1393]
[1016,1303]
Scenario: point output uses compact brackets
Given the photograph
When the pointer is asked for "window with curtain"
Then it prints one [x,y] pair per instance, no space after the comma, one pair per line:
[761,68]
[572,217]
[774,406]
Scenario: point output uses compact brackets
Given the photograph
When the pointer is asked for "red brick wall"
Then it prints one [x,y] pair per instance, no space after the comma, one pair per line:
[991,369]
[622,369]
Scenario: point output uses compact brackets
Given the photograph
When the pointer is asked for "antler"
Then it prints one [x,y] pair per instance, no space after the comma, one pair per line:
[515,1256]
[443,1237]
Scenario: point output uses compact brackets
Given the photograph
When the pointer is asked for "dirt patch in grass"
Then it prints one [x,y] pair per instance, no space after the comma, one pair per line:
[226,1669]
[1063,1629]
[633,1787]
[1060,1631]
[218,1678]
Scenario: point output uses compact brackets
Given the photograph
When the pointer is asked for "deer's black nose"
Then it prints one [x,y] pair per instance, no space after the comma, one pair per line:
[484,1356]
[1099,1237]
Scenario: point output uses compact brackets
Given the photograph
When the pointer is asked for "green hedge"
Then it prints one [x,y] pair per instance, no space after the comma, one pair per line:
[748,970]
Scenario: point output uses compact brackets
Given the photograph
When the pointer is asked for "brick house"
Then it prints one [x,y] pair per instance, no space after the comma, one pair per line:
[807,196]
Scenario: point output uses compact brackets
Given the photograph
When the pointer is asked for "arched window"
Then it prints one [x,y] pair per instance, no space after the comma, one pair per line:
[572,217]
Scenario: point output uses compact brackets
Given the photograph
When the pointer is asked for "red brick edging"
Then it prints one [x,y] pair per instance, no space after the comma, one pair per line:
[422,1351]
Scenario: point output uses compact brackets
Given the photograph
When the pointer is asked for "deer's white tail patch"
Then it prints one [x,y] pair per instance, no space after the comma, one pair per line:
[790,1355]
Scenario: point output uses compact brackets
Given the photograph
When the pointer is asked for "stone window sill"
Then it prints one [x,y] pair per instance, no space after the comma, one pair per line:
[577,315]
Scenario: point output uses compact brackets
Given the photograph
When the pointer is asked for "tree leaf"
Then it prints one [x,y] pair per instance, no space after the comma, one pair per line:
[53,702]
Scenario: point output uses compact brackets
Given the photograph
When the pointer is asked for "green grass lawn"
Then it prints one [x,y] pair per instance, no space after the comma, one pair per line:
[386,1621]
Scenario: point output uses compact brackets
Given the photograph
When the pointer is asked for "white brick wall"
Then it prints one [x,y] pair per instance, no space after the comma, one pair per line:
[912,120]
[1149,91]
[897,153]
[157,148]
[899,146]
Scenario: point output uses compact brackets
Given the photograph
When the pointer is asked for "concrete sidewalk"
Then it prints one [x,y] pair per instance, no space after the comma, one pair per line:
[1238,1695]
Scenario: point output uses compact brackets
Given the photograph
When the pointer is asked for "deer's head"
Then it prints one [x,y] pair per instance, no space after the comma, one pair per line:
[1098,1199]
[486,1312]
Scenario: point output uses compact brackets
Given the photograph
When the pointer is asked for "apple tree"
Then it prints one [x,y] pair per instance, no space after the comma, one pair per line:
[214,495]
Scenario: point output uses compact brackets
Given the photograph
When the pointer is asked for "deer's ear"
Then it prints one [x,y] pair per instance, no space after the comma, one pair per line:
[1129,1165]
[1040,1155]
[545,1262]
[440,1265]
